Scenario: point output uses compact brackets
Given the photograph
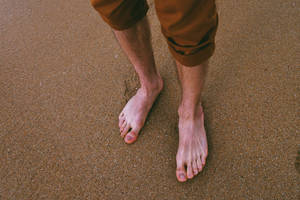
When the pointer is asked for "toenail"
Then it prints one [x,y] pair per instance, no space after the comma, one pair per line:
[182,176]
[128,137]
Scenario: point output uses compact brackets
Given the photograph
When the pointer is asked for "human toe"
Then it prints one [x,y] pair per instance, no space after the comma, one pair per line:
[121,122]
[123,125]
[195,168]
[203,159]
[121,115]
[190,173]
[181,174]
[125,130]
[130,137]
[199,164]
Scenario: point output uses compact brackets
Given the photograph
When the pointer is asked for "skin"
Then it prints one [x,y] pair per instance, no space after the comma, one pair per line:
[192,146]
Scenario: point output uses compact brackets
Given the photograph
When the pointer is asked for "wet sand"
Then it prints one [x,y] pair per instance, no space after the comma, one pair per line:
[64,80]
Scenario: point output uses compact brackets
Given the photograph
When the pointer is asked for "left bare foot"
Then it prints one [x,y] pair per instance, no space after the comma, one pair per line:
[192,149]
[134,114]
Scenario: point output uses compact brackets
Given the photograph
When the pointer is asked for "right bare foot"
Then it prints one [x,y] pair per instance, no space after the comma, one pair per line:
[133,116]
[192,148]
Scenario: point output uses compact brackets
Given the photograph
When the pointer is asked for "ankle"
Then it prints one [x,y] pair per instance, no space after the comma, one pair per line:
[152,84]
[189,110]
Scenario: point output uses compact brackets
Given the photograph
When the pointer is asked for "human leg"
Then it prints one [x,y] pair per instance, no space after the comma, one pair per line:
[189,27]
[127,18]
[136,43]
[192,147]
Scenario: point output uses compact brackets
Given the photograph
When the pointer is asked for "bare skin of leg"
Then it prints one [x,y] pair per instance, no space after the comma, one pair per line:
[136,43]
[192,148]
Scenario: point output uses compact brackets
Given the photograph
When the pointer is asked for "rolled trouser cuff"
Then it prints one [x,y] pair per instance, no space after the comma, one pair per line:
[193,55]
[121,14]
[194,59]
[189,27]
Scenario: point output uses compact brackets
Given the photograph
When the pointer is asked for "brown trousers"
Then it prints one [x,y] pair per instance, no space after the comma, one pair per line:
[189,26]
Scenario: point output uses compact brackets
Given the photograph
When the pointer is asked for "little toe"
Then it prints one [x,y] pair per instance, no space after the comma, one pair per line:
[125,130]
[121,115]
[203,159]
[190,173]
[199,164]
[180,173]
[195,168]
[130,137]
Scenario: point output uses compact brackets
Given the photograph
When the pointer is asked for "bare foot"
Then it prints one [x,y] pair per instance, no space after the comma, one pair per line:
[133,116]
[192,150]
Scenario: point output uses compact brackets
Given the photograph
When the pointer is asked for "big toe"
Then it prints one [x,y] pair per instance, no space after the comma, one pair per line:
[180,171]
[181,174]
[130,137]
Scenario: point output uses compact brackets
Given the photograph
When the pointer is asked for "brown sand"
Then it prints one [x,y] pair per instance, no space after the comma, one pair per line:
[64,80]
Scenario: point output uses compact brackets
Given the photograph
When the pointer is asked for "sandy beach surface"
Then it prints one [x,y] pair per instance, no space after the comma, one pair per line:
[64,80]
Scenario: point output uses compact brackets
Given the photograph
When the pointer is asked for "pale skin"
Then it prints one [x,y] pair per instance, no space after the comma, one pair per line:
[192,146]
